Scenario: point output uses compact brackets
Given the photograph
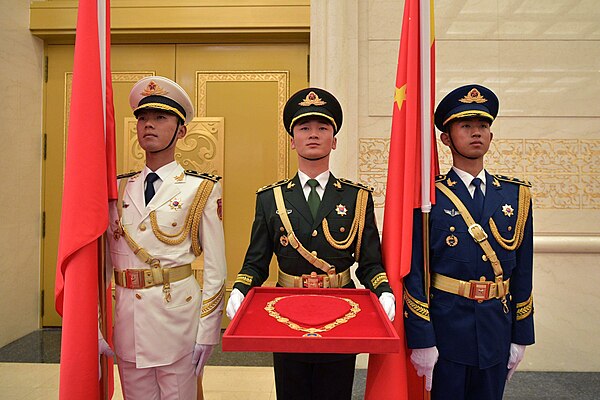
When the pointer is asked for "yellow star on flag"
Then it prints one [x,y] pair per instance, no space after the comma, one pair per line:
[400,96]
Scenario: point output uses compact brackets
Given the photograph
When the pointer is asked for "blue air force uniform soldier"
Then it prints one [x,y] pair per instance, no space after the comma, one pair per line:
[479,315]
[333,222]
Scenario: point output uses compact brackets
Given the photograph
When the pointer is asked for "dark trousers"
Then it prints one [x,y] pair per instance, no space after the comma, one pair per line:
[313,376]
[452,381]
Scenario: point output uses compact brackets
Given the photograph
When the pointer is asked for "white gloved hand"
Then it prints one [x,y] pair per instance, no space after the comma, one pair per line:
[517,352]
[424,360]
[388,301]
[200,356]
[103,348]
[235,300]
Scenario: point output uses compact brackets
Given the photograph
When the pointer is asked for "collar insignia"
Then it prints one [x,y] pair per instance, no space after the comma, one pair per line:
[473,97]
[291,185]
[341,209]
[450,182]
[496,182]
[337,184]
[153,89]
[508,210]
[312,99]
[179,178]
[452,213]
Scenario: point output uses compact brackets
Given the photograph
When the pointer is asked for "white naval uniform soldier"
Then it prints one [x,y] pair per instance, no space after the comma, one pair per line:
[165,326]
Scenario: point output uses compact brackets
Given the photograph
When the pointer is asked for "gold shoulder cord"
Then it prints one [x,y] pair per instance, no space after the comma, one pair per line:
[192,220]
[358,225]
[517,239]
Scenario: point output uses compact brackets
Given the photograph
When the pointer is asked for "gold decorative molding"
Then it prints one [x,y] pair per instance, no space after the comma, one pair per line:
[192,21]
[282,79]
[565,173]
[202,148]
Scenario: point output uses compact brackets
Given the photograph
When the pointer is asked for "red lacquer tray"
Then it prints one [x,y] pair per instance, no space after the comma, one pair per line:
[307,322]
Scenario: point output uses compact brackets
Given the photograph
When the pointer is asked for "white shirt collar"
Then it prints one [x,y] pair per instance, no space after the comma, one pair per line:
[163,172]
[322,178]
[467,178]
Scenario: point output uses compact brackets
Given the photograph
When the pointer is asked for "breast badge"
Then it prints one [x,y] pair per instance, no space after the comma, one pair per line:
[341,209]
[452,213]
[283,240]
[508,210]
[175,204]
[451,240]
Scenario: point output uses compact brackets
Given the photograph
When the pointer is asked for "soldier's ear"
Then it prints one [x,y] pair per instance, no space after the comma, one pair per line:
[334,143]
[491,135]
[292,144]
[182,131]
[445,137]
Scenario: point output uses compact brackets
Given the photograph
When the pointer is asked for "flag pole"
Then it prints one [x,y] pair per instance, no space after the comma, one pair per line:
[103,313]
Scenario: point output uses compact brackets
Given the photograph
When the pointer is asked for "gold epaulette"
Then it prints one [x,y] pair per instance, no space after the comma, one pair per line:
[440,178]
[272,185]
[505,178]
[128,174]
[356,184]
[210,177]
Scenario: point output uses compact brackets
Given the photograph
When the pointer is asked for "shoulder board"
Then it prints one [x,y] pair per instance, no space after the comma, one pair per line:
[440,178]
[128,174]
[272,185]
[356,184]
[505,178]
[210,177]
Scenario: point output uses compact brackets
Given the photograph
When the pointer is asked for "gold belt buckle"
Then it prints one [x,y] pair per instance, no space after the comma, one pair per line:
[477,233]
[480,290]
[134,278]
[312,281]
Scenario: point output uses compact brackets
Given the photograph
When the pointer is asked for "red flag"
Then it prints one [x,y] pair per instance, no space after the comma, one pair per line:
[89,182]
[412,166]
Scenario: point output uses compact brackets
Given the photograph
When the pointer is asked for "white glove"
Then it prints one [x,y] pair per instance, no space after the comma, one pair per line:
[200,356]
[235,300]
[517,352]
[388,301]
[424,360]
[103,348]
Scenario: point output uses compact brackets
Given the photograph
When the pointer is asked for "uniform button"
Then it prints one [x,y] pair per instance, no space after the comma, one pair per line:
[314,253]
[174,224]
[314,233]
[138,296]
[510,228]
[482,279]
[142,227]
[452,229]
[281,229]
[480,301]
[188,299]
[342,229]
[484,257]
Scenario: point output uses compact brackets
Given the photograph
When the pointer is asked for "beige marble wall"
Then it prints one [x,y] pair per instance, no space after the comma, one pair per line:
[543,61]
[20,165]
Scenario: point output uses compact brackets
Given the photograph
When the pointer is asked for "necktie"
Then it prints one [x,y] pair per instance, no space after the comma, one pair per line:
[149,192]
[313,197]
[478,197]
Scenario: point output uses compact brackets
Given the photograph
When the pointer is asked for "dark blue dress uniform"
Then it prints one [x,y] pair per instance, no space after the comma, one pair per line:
[469,321]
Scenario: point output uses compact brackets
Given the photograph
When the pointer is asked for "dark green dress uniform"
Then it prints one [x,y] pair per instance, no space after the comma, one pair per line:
[338,208]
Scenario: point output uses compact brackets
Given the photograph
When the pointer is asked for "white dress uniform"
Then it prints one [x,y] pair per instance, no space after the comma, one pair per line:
[149,330]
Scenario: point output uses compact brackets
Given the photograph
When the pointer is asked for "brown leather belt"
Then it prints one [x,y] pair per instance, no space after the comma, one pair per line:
[145,278]
[474,290]
[313,280]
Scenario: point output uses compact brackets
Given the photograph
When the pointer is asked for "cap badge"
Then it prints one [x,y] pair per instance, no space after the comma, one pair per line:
[341,210]
[508,210]
[312,99]
[473,97]
[153,89]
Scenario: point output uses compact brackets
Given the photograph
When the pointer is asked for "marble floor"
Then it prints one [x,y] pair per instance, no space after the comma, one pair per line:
[29,370]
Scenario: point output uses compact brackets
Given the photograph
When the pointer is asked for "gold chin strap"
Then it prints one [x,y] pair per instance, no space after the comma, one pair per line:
[480,237]
[308,256]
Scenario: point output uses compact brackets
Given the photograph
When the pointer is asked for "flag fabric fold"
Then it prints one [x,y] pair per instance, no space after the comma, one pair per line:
[89,182]
[412,166]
